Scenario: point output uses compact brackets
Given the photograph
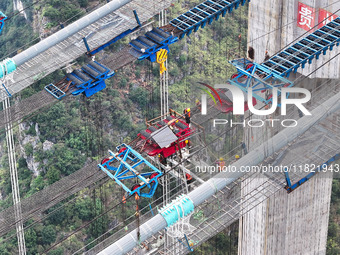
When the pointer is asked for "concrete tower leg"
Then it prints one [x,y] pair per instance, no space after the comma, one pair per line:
[294,223]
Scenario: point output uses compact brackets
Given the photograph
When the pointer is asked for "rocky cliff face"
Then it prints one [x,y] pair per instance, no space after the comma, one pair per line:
[27,141]
[18,6]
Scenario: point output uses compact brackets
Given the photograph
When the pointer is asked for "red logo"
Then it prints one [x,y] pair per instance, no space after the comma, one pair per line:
[306,17]
[325,17]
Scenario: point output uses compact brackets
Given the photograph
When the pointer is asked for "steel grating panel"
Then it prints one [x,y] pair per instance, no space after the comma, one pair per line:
[39,202]
[203,14]
[305,50]
[222,210]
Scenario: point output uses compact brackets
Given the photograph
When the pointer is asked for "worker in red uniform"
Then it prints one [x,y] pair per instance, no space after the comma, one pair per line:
[189,178]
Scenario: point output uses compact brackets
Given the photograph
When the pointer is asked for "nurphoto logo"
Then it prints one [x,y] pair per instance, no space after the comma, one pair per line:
[238,100]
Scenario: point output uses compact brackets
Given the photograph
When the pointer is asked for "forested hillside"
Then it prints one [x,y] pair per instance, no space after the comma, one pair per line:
[76,131]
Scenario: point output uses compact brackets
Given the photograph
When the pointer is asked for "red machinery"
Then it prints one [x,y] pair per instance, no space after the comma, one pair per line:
[164,137]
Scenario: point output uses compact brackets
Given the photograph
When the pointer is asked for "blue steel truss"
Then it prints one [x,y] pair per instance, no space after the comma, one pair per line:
[88,80]
[146,47]
[126,164]
[305,50]
[203,14]
[259,78]
[3,17]
[290,187]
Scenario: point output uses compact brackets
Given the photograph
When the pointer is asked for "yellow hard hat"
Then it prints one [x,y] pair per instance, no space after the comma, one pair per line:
[197,101]
[188,109]
[186,141]
[237,156]
[221,159]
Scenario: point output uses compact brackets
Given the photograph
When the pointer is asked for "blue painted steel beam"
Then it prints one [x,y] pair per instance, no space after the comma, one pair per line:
[204,13]
[291,187]
[113,40]
[305,50]
[121,166]
[86,44]
[186,243]
[7,91]
[3,17]
[137,18]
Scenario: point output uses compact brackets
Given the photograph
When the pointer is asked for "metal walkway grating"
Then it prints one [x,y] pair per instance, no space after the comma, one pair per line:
[204,13]
[305,50]
[224,208]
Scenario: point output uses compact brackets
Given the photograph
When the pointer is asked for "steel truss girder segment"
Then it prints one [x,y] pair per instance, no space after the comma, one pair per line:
[3,17]
[259,78]
[204,13]
[127,164]
[303,51]
[290,187]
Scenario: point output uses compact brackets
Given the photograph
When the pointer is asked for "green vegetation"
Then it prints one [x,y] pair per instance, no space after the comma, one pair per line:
[18,33]
[61,11]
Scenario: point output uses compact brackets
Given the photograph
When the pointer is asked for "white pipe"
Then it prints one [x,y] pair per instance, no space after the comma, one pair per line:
[68,31]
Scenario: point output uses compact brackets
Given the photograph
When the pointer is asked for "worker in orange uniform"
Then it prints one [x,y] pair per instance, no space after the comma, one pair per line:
[187,115]
[221,164]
